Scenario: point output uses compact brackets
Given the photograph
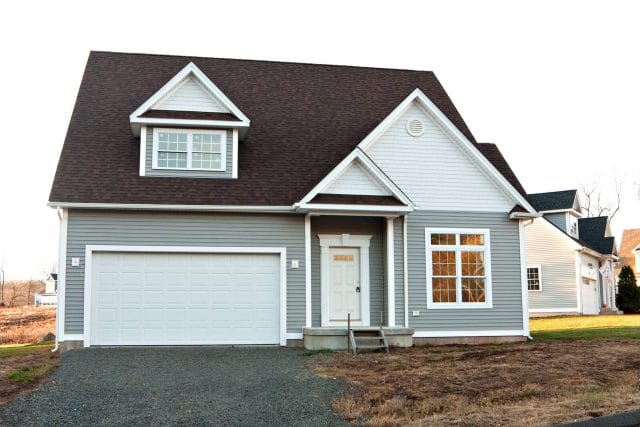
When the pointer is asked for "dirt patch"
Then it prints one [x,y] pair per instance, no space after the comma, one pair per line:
[24,325]
[23,370]
[523,384]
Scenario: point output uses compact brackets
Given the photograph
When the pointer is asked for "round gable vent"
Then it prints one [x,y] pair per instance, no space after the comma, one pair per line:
[415,127]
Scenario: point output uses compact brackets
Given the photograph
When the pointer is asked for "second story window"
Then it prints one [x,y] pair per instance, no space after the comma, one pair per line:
[189,149]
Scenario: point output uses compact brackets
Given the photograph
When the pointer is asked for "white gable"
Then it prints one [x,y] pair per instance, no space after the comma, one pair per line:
[356,180]
[433,170]
[190,95]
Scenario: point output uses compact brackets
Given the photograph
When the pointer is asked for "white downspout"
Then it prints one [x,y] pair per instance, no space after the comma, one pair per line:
[523,277]
[62,259]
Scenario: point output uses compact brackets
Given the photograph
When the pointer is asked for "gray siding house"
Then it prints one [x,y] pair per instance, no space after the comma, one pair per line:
[570,259]
[211,201]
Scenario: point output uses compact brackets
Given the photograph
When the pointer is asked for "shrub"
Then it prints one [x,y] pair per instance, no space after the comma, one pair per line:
[628,296]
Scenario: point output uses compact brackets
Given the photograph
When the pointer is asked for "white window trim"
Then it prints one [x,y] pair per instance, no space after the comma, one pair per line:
[487,257]
[539,267]
[190,132]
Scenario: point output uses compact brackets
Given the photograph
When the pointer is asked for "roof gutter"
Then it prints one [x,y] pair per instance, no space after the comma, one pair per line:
[524,215]
[186,208]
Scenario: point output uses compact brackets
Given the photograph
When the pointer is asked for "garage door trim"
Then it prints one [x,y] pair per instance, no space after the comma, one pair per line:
[91,249]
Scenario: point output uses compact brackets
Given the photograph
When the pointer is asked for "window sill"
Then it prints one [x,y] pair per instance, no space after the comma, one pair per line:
[187,169]
[462,306]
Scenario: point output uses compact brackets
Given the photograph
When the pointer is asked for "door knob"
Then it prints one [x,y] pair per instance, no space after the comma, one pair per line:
[357,288]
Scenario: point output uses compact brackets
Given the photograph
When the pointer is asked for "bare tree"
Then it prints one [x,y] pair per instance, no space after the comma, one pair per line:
[596,202]
[13,296]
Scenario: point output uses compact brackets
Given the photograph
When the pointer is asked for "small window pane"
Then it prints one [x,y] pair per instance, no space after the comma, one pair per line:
[164,137]
[443,239]
[444,289]
[216,161]
[472,239]
[173,137]
[473,290]
[182,137]
[472,263]
[443,263]
[216,147]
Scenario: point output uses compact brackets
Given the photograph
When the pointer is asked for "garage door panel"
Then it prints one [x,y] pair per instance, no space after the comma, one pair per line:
[169,299]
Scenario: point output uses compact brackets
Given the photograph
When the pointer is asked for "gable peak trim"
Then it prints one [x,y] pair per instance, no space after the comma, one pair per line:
[369,166]
[419,97]
[190,70]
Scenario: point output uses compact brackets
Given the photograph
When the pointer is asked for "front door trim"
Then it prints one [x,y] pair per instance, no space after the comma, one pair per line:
[344,240]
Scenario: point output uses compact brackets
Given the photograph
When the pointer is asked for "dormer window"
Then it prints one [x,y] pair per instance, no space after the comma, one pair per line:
[183,149]
[572,225]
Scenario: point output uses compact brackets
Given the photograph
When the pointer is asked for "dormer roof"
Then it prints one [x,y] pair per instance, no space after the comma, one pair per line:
[189,98]
[555,201]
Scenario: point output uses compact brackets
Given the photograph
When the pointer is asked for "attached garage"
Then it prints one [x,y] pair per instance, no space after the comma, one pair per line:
[184,296]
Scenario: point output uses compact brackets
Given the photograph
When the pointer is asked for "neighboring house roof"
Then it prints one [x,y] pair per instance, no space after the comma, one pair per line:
[554,200]
[630,241]
[305,119]
[593,234]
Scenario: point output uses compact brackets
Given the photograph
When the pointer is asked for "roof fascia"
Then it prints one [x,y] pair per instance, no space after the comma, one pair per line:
[550,211]
[165,207]
[190,68]
[452,130]
[369,166]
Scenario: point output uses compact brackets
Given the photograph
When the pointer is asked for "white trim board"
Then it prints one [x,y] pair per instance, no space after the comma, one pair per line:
[523,276]
[449,128]
[362,242]
[160,207]
[295,335]
[90,249]
[554,310]
[482,333]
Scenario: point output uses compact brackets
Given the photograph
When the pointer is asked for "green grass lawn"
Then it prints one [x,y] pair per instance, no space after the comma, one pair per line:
[585,327]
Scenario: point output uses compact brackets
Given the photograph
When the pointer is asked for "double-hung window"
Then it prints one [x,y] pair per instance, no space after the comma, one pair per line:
[458,268]
[189,149]
[534,278]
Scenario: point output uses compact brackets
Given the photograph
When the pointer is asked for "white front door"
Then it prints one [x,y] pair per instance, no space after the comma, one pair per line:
[589,296]
[344,285]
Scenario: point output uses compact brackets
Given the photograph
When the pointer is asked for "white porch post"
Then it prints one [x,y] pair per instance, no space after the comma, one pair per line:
[307,270]
[391,292]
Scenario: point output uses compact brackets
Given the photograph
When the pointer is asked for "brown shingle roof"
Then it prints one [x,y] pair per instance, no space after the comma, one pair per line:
[191,115]
[356,199]
[304,120]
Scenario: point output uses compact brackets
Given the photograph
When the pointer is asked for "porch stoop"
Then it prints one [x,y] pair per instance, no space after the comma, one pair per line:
[336,338]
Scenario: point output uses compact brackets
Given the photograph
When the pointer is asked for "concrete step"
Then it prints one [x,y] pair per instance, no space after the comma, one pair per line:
[360,340]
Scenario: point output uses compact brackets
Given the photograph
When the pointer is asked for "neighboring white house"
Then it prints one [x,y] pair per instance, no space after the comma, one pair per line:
[570,259]
[50,295]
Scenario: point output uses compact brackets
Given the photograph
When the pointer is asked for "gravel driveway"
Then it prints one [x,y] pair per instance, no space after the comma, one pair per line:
[179,385]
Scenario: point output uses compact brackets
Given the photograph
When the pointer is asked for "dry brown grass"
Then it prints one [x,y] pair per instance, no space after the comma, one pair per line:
[24,369]
[24,325]
[520,384]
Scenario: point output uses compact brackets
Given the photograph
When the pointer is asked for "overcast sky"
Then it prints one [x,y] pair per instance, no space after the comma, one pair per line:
[555,84]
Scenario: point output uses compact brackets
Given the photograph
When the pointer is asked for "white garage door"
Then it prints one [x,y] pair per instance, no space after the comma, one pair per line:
[184,299]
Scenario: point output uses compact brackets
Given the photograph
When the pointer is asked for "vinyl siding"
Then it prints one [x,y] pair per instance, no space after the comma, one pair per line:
[433,170]
[149,171]
[554,252]
[191,96]
[558,219]
[86,227]
[355,180]
[506,313]
[350,225]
